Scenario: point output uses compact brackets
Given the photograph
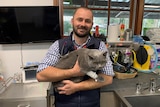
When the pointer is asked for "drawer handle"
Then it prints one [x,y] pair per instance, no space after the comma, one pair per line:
[24,105]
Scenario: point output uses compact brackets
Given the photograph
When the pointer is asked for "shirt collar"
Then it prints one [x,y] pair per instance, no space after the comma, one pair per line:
[80,46]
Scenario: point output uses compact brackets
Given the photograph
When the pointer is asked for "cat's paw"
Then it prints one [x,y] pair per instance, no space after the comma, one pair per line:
[99,79]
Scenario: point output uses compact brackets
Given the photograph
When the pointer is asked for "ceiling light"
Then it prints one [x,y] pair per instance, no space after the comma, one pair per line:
[151,6]
[65,2]
[103,0]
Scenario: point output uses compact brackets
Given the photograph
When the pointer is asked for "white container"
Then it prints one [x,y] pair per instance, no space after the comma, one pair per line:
[113,33]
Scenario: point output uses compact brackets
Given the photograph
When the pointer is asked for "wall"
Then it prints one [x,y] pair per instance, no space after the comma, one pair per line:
[14,56]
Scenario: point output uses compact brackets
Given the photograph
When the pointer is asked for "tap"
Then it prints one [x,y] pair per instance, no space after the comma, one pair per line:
[138,88]
[152,87]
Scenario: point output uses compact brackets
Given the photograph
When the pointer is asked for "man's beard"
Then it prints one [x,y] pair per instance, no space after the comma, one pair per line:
[81,35]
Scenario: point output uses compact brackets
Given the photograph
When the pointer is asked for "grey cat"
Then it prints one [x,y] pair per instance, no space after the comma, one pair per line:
[90,60]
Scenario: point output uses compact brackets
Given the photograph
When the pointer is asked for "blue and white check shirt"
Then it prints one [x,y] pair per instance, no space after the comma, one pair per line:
[53,55]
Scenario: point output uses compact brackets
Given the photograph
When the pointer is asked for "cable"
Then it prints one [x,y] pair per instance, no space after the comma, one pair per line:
[22,56]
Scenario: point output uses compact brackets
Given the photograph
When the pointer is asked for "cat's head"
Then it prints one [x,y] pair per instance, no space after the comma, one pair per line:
[96,59]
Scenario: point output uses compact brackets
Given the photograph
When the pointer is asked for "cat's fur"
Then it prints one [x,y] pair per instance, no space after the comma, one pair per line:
[90,60]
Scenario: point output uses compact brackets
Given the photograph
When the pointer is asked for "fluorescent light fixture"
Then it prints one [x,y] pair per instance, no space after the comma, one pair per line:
[65,2]
[119,14]
[147,14]
[151,6]
[116,0]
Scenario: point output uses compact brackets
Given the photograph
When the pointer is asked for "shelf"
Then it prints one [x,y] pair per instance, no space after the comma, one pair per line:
[120,43]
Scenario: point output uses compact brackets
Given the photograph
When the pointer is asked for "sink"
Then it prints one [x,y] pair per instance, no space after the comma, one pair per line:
[144,101]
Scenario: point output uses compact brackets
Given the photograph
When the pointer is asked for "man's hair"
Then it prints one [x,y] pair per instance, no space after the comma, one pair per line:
[86,8]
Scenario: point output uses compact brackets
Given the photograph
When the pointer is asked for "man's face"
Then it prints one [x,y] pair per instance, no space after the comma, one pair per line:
[82,22]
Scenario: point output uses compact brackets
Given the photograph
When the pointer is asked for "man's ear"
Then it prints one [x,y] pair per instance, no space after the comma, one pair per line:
[72,21]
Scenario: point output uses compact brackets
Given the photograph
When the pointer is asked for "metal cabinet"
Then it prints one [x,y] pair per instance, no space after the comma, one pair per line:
[25,95]
[24,103]
[108,99]
[112,99]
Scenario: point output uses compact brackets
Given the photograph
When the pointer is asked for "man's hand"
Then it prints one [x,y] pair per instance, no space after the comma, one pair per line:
[77,70]
[68,88]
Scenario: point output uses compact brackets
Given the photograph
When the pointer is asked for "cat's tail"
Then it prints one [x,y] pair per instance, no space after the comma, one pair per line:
[96,77]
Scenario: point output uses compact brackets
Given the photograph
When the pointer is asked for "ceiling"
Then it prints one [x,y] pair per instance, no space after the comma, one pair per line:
[152,2]
[114,2]
[119,4]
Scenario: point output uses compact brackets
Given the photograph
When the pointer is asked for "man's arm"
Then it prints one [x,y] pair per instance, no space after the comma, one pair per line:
[46,71]
[53,74]
[71,87]
[91,84]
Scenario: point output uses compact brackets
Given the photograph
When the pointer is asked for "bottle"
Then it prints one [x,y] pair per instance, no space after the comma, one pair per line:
[122,26]
[1,76]
[127,56]
[152,61]
[158,62]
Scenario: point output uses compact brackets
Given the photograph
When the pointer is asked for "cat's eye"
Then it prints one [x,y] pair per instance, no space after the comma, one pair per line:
[105,54]
[91,58]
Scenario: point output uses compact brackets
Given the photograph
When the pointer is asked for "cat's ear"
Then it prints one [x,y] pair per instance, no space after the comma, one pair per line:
[105,53]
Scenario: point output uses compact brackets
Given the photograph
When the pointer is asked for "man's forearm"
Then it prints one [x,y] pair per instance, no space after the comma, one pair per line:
[52,74]
[91,84]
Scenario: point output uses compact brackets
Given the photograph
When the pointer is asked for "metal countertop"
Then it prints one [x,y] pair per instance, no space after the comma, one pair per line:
[25,90]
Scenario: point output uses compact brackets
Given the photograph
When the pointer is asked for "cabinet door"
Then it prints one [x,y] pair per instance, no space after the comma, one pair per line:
[108,99]
[24,103]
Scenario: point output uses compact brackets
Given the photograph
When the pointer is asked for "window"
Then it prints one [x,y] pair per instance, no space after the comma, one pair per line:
[68,13]
[120,12]
[105,12]
[151,16]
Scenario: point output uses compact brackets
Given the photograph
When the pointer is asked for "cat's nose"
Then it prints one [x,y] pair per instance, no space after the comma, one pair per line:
[99,67]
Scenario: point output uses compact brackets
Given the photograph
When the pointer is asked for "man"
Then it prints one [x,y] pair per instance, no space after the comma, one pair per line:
[87,92]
